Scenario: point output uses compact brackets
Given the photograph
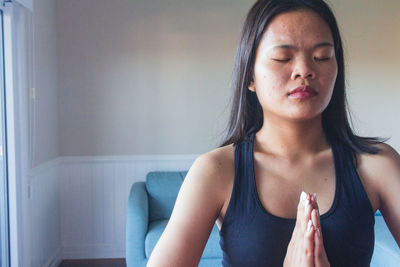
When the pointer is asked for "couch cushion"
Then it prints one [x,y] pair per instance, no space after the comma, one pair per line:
[163,188]
[386,252]
[156,228]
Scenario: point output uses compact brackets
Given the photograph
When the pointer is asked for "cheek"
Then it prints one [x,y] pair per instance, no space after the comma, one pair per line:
[331,73]
[277,82]
[269,88]
[269,79]
[329,77]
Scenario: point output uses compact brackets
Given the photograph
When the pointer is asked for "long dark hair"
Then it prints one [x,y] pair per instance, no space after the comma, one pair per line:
[246,112]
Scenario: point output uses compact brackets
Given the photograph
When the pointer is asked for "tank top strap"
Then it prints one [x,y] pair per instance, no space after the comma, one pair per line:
[243,191]
[351,190]
[242,204]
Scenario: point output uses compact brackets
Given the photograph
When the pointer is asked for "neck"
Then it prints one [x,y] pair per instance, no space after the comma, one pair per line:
[291,140]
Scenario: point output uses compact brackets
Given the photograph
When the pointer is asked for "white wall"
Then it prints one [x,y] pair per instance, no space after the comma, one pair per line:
[46,139]
[371,38]
[43,213]
[152,77]
[144,77]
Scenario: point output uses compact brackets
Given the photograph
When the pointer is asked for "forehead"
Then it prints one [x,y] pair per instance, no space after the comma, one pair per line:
[300,27]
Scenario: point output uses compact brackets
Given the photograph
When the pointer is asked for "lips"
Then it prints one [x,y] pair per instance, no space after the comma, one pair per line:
[303,92]
[304,89]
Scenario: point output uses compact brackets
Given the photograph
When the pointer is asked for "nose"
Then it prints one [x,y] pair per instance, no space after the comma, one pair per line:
[303,69]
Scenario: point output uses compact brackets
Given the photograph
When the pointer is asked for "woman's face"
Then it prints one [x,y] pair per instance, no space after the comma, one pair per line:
[295,50]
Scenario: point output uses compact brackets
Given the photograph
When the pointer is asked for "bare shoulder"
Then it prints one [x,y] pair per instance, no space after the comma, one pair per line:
[380,172]
[383,171]
[216,166]
[387,160]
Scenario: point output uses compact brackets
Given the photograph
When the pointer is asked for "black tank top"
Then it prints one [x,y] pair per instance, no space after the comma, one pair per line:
[251,236]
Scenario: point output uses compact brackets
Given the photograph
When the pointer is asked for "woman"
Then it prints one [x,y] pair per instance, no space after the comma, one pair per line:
[288,134]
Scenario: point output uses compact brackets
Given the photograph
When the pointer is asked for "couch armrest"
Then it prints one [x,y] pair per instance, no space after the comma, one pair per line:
[386,251]
[137,221]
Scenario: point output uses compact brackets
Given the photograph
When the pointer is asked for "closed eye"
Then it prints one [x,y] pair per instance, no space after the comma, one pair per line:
[281,60]
[322,59]
[316,58]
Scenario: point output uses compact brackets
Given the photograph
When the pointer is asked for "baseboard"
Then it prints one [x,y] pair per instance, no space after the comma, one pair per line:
[94,263]
[99,251]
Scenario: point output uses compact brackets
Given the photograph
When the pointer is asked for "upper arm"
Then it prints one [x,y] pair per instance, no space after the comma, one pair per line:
[389,189]
[196,209]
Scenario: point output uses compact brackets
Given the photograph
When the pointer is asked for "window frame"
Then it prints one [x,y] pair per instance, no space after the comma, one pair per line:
[16,131]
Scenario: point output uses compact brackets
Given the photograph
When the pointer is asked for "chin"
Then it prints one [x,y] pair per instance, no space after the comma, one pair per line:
[304,117]
[305,112]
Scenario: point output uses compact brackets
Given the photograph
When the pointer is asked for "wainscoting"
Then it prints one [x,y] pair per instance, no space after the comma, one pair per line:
[43,215]
[79,204]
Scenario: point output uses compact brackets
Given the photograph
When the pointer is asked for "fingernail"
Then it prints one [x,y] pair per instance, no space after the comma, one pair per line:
[303,196]
[309,226]
[315,197]
[319,233]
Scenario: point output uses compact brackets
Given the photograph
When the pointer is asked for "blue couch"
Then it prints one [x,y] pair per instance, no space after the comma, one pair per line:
[150,205]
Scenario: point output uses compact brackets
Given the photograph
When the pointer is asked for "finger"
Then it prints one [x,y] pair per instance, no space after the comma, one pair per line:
[300,211]
[320,257]
[307,212]
[314,200]
[317,248]
[316,218]
[315,213]
[303,198]
[309,245]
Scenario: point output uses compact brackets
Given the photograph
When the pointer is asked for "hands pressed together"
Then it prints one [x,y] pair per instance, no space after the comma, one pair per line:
[306,247]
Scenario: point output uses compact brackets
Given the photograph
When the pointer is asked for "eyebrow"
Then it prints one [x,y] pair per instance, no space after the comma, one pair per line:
[287,46]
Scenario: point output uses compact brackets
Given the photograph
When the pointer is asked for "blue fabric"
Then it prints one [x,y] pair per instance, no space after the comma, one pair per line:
[386,252]
[251,236]
[156,228]
[136,225]
[211,250]
[163,188]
